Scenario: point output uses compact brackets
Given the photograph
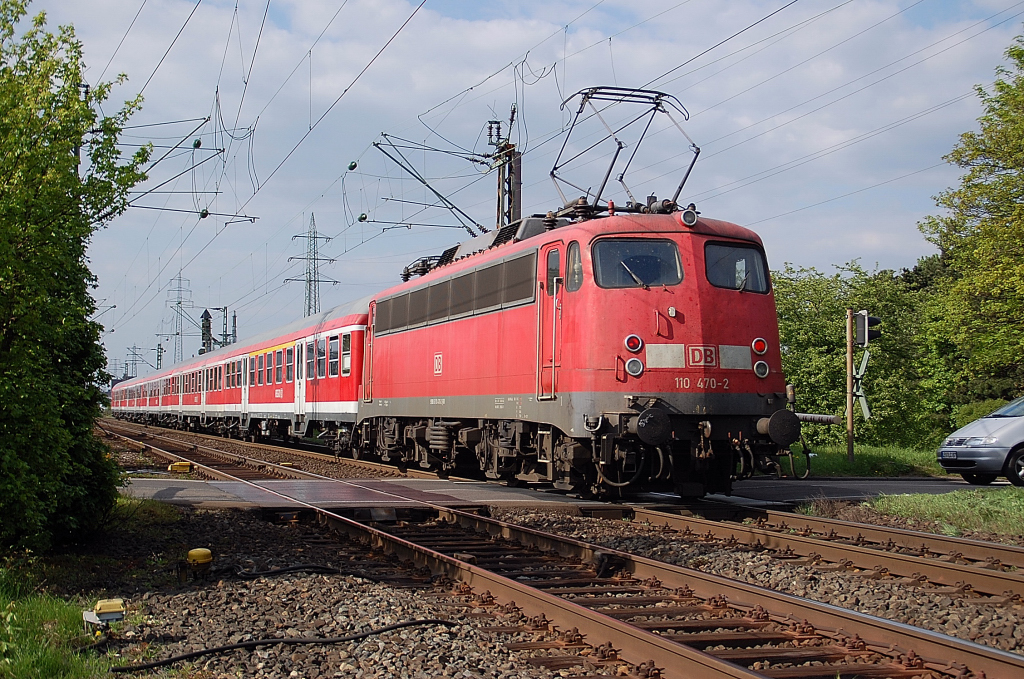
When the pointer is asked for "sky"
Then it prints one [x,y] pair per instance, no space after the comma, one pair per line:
[821,125]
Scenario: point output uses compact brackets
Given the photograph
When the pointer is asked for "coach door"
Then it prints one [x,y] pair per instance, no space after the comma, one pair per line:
[368,354]
[300,381]
[245,391]
[549,313]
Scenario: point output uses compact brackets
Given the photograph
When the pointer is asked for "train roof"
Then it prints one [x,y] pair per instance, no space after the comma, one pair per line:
[346,309]
[500,243]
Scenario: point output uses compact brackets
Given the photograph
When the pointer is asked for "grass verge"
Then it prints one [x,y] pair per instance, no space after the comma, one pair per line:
[42,597]
[870,461]
[38,632]
[995,510]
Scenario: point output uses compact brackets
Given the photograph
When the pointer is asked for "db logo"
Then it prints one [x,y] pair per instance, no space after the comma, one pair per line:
[437,364]
[702,355]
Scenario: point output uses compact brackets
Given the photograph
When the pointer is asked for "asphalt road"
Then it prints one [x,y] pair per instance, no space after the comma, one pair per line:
[792,490]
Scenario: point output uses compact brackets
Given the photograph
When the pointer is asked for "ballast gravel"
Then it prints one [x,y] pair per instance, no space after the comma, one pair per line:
[967,618]
[168,618]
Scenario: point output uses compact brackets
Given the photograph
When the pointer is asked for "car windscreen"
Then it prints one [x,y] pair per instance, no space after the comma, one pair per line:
[636,262]
[1012,409]
[738,267]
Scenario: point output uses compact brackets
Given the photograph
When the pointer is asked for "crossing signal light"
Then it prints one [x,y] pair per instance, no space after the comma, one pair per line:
[865,323]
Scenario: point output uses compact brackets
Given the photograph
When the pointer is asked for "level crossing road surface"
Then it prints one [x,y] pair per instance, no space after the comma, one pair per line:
[349,493]
[762,490]
[853,489]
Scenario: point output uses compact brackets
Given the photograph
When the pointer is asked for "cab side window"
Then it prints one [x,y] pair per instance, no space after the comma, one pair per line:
[573,268]
[554,270]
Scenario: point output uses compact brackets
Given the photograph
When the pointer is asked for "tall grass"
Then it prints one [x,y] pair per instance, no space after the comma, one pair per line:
[870,461]
[994,510]
[39,633]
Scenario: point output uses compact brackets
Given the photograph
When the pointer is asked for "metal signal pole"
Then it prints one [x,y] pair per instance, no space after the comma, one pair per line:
[849,385]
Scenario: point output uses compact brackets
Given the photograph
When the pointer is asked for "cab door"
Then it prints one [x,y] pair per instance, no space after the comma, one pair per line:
[549,316]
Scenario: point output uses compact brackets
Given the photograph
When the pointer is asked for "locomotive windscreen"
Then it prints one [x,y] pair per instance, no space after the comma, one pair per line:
[636,262]
[738,267]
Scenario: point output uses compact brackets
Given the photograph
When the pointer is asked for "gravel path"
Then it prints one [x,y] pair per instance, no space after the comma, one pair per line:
[165,619]
[971,619]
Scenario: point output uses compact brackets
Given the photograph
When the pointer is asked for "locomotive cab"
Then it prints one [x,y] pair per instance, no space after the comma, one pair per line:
[668,352]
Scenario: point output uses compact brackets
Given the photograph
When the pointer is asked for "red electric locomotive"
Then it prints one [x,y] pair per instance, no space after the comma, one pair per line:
[599,350]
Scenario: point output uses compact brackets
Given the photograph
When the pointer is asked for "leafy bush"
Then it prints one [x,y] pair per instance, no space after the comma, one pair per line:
[969,412]
[61,178]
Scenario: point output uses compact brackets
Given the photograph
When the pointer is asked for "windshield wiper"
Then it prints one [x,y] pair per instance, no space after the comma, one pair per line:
[635,277]
[743,283]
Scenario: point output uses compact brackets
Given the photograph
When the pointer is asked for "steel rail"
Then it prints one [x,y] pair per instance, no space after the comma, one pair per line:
[678,661]
[880,635]
[949,573]
[977,550]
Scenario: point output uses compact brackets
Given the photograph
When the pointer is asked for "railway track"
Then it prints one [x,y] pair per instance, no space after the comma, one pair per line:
[949,565]
[220,444]
[588,604]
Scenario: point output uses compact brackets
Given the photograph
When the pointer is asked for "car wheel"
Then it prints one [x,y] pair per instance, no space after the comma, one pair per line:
[979,479]
[1015,467]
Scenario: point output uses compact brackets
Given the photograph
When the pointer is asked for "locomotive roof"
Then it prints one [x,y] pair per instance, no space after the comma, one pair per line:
[492,246]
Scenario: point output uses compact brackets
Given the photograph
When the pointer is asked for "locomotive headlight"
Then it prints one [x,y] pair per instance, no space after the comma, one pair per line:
[689,217]
[760,346]
[634,344]
[635,367]
[760,369]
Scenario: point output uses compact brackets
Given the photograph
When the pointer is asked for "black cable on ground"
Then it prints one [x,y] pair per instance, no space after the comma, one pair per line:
[297,568]
[297,641]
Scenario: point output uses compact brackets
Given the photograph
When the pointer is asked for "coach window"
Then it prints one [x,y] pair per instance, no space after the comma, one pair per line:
[332,362]
[310,361]
[259,371]
[252,371]
[321,358]
[289,365]
[269,379]
[279,366]
[554,270]
[299,360]
[573,268]
[346,354]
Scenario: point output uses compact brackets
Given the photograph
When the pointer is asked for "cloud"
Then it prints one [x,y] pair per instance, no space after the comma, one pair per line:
[782,91]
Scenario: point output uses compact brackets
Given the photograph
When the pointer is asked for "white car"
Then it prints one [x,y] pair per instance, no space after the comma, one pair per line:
[989,447]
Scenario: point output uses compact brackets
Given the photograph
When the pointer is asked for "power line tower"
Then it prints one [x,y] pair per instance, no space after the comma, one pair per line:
[135,357]
[179,297]
[312,259]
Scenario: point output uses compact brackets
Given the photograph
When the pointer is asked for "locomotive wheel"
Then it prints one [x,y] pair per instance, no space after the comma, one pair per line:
[443,474]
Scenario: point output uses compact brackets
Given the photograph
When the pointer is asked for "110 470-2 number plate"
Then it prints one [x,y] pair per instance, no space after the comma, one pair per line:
[702,383]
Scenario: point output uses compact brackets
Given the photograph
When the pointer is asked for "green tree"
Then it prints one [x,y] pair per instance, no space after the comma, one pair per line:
[62,176]
[812,327]
[981,237]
